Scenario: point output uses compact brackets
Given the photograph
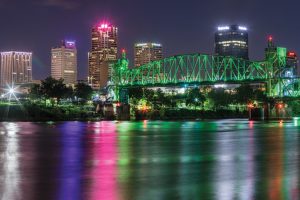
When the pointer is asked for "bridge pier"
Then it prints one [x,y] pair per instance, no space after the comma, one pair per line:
[256,114]
[123,111]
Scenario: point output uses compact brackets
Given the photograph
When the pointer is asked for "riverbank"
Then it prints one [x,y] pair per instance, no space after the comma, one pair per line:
[38,112]
[188,114]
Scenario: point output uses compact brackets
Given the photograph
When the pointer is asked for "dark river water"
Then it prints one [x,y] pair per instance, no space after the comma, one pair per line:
[225,159]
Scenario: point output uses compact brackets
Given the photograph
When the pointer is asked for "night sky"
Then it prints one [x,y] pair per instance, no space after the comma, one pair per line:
[182,26]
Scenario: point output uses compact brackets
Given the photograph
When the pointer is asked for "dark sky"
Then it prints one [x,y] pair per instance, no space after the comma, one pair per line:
[182,26]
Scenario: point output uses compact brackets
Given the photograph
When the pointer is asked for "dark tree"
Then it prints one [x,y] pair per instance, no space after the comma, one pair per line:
[35,92]
[195,97]
[244,94]
[52,88]
[220,98]
[136,93]
[83,91]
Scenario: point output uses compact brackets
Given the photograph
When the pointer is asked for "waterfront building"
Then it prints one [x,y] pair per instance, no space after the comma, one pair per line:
[64,62]
[232,41]
[15,68]
[104,50]
[147,52]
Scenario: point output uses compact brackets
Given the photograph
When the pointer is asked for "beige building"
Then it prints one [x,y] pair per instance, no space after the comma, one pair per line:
[147,52]
[15,68]
[64,63]
[104,49]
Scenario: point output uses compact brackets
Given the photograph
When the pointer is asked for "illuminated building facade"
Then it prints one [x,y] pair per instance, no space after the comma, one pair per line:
[232,41]
[64,62]
[15,68]
[147,52]
[104,50]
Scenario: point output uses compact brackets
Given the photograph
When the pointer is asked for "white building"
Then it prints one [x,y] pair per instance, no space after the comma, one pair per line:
[15,68]
[64,62]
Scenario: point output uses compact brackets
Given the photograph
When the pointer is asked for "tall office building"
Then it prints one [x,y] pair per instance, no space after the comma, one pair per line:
[15,68]
[147,52]
[232,41]
[64,62]
[104,50]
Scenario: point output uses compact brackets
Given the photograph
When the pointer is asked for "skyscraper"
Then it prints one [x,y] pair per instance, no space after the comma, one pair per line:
[104,49]
[232,41]
[15,68]
[147,52]
[64,62]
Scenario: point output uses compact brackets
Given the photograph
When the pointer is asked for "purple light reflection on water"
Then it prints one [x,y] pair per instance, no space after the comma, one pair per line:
[71,138]
[104,162]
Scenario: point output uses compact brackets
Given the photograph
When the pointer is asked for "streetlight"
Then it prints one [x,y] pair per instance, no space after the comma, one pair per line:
[11,91]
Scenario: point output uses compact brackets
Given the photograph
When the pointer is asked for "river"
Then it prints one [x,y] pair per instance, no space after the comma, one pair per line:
[222,159]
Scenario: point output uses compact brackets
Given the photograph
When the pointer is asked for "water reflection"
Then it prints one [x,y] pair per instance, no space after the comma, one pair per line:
[9,163]
[227,159]
[103,161]
[71,161]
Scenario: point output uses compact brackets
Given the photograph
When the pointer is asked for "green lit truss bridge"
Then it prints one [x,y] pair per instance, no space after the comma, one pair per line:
[202,69]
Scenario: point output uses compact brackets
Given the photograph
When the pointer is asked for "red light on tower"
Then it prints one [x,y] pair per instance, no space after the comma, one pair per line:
[123,50]
[103,26]
[270,38]
[291,54]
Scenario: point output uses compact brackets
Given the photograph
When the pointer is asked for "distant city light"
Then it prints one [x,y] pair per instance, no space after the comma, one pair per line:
[156,44]
[270,38]
[292,54]
[70,44]
[280,105]
[222,28]
[146,44]
[11,91]
[220,85]
[103,26]
[250,105]
[243,28]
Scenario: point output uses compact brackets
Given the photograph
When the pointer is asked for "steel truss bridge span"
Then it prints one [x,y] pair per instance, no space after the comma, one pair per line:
[202,69]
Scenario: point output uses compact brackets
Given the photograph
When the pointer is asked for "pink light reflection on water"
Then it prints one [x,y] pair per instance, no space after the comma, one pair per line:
[104,162]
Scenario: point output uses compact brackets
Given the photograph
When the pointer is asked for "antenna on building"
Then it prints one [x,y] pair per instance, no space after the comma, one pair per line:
[123,54]
[270,41]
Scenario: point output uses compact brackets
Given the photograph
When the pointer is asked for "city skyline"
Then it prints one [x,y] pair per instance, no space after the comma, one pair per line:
[192,31]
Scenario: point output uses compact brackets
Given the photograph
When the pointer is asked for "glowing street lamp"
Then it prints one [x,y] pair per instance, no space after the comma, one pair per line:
[11,92]
[250,105]
[280,105]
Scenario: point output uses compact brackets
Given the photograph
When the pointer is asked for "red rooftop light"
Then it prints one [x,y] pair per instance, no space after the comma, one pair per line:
[270,38]
[103,26]
[291,54]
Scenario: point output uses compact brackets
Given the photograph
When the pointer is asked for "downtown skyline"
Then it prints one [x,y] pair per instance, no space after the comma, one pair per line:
[41,25]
